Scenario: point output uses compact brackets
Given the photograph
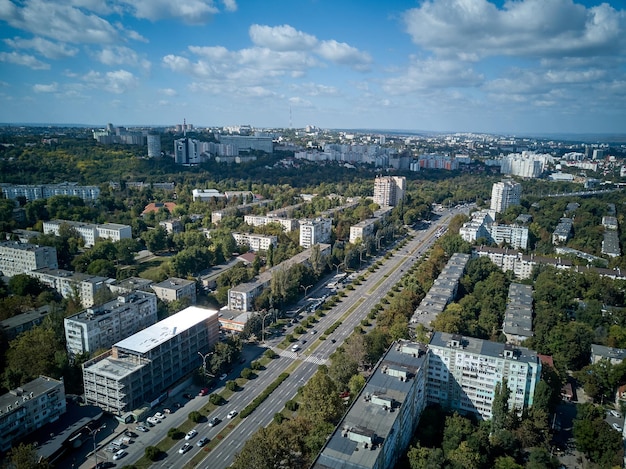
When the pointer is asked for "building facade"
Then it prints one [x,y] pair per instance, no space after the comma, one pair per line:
[505,194]
[89,232]
[154,145]
[20,258]
[29,407]
[70,284]
[186,151]
[288,224]
[315,231]
[103,325]
[141,368]
[256,242]
[34,192]
[463,373]
[389,190]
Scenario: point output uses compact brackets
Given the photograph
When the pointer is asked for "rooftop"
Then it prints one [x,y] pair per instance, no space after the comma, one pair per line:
[153,336]
[174,283]
[27,391]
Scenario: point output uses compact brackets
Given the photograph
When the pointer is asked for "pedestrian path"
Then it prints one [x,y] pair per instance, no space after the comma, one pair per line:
[307,358]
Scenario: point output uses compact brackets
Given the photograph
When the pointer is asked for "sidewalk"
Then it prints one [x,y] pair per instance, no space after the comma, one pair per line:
[103,455]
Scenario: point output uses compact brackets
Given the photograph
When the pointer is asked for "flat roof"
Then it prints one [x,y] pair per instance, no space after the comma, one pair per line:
[38,386]
[173,283]
[26,317]
[153,336]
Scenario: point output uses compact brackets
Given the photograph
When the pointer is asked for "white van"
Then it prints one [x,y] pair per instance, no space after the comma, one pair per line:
[120,454]
[295,347]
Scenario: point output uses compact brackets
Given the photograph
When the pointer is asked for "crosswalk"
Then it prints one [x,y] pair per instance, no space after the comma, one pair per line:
[307,358]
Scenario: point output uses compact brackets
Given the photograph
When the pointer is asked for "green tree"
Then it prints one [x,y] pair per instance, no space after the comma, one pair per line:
[25,285]
[500,406]
[320,399]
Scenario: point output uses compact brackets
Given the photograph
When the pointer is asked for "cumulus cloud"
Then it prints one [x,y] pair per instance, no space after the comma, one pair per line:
[344,54]
[529,28]
[120,55]
[23,59]
[51,88]
[168,92]
[316,89]
[190,11]
[281,38]
[49,49]
[230,5]
[58,21]
[117,82]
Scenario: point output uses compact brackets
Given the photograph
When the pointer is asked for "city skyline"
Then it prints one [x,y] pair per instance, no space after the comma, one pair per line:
[529,66]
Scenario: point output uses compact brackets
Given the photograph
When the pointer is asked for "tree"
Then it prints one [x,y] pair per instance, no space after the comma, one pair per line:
[152,453]
[25,285]
[421,457]
[320,399]
[342,368]
[357,382]
[24,456]
[500,406]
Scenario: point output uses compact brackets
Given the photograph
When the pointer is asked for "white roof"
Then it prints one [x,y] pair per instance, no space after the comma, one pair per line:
[145,340]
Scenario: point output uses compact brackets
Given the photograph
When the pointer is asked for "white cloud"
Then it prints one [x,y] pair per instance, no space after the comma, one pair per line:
[315,89]
[51,88]
[344,54]
[433,73]
[230,5]
[281,38]
[120,55]
[57,21]
[117,82]
[49,49]
[528,28]
[23,59]
[168,92]
[300,102]
[190,11]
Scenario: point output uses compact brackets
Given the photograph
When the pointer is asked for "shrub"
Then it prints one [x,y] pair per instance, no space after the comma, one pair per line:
[300,330]
[269,353]
[358,330]
[256,365]
[152,453]
[278,418]
[246,373]
[231,385]
[292,405]
[289,337]
[195,416]
[175,434]
[216,399]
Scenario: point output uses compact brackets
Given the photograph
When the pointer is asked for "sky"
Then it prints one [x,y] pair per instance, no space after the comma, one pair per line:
[513,67]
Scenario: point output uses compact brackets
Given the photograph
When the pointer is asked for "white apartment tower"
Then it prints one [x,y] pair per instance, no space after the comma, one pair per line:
[505,194]
[389,190]
[315,231]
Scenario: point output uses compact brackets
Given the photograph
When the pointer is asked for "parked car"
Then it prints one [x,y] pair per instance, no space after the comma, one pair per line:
[130,434]
[203,392]
[202,441]
[141,428]
[153,420]
[615,414]
[150,424]
[119,455]
[214,421]
[190,434]
[231,414]
[188,396]
[159,416]
[616,427]
[223,377]
[183,449]
[104,465]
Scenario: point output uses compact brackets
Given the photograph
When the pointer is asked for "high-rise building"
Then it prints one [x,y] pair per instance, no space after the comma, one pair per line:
[505,194]
[101,326]
[154,145]
[389,190]
[186,151]
[315,231]
[145,365]
[463,373]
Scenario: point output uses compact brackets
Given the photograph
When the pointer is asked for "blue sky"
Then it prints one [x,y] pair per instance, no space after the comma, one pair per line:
[519,66]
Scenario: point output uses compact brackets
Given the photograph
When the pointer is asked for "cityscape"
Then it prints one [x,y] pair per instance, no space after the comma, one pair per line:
[348,235]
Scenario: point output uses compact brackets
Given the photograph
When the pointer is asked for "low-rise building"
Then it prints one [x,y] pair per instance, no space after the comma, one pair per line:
[130,284]
[378,427]
[29,407]
[288,224]
[256,242]
[89,232]
[142,367]
[563,231]
[14,326]
[20,258]
[602,352]
[101,326]
[518,317]
[70,284]
[175,289]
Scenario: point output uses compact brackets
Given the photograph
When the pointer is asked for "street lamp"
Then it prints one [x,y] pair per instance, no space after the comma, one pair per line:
[338,265]
[263,325]
[204,357]
[306,289]
[93,433]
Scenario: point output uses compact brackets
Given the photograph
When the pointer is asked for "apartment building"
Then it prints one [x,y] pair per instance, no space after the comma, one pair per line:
[563,231]
[378,427]
[30,407]
[21,258]
[90,232]
[35,192]
[69,284]
[315,231]
[256,242]
[288,224]
[144,366]
[389,190]
[362,230]
[463,373]
[175,289]
[505,194]
[101,326]
[518,316]
[14,326]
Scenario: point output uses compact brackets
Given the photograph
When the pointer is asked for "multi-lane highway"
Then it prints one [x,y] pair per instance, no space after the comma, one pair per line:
[314,352]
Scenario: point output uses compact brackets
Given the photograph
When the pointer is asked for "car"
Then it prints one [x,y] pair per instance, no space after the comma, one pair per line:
[615,414]
[141,428]
[159,416]
[167,411]
[188,396]
[304,341]
[190,434]
[242,360]
[130,434]
[203,392]
[153,420]
[119,455]
[231,414]
[150,424]
[223,377]
[183,449]
[313,332]
[214,421]
[202,441]
[616,427]
[104,465]
[333,340]
[178,405]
